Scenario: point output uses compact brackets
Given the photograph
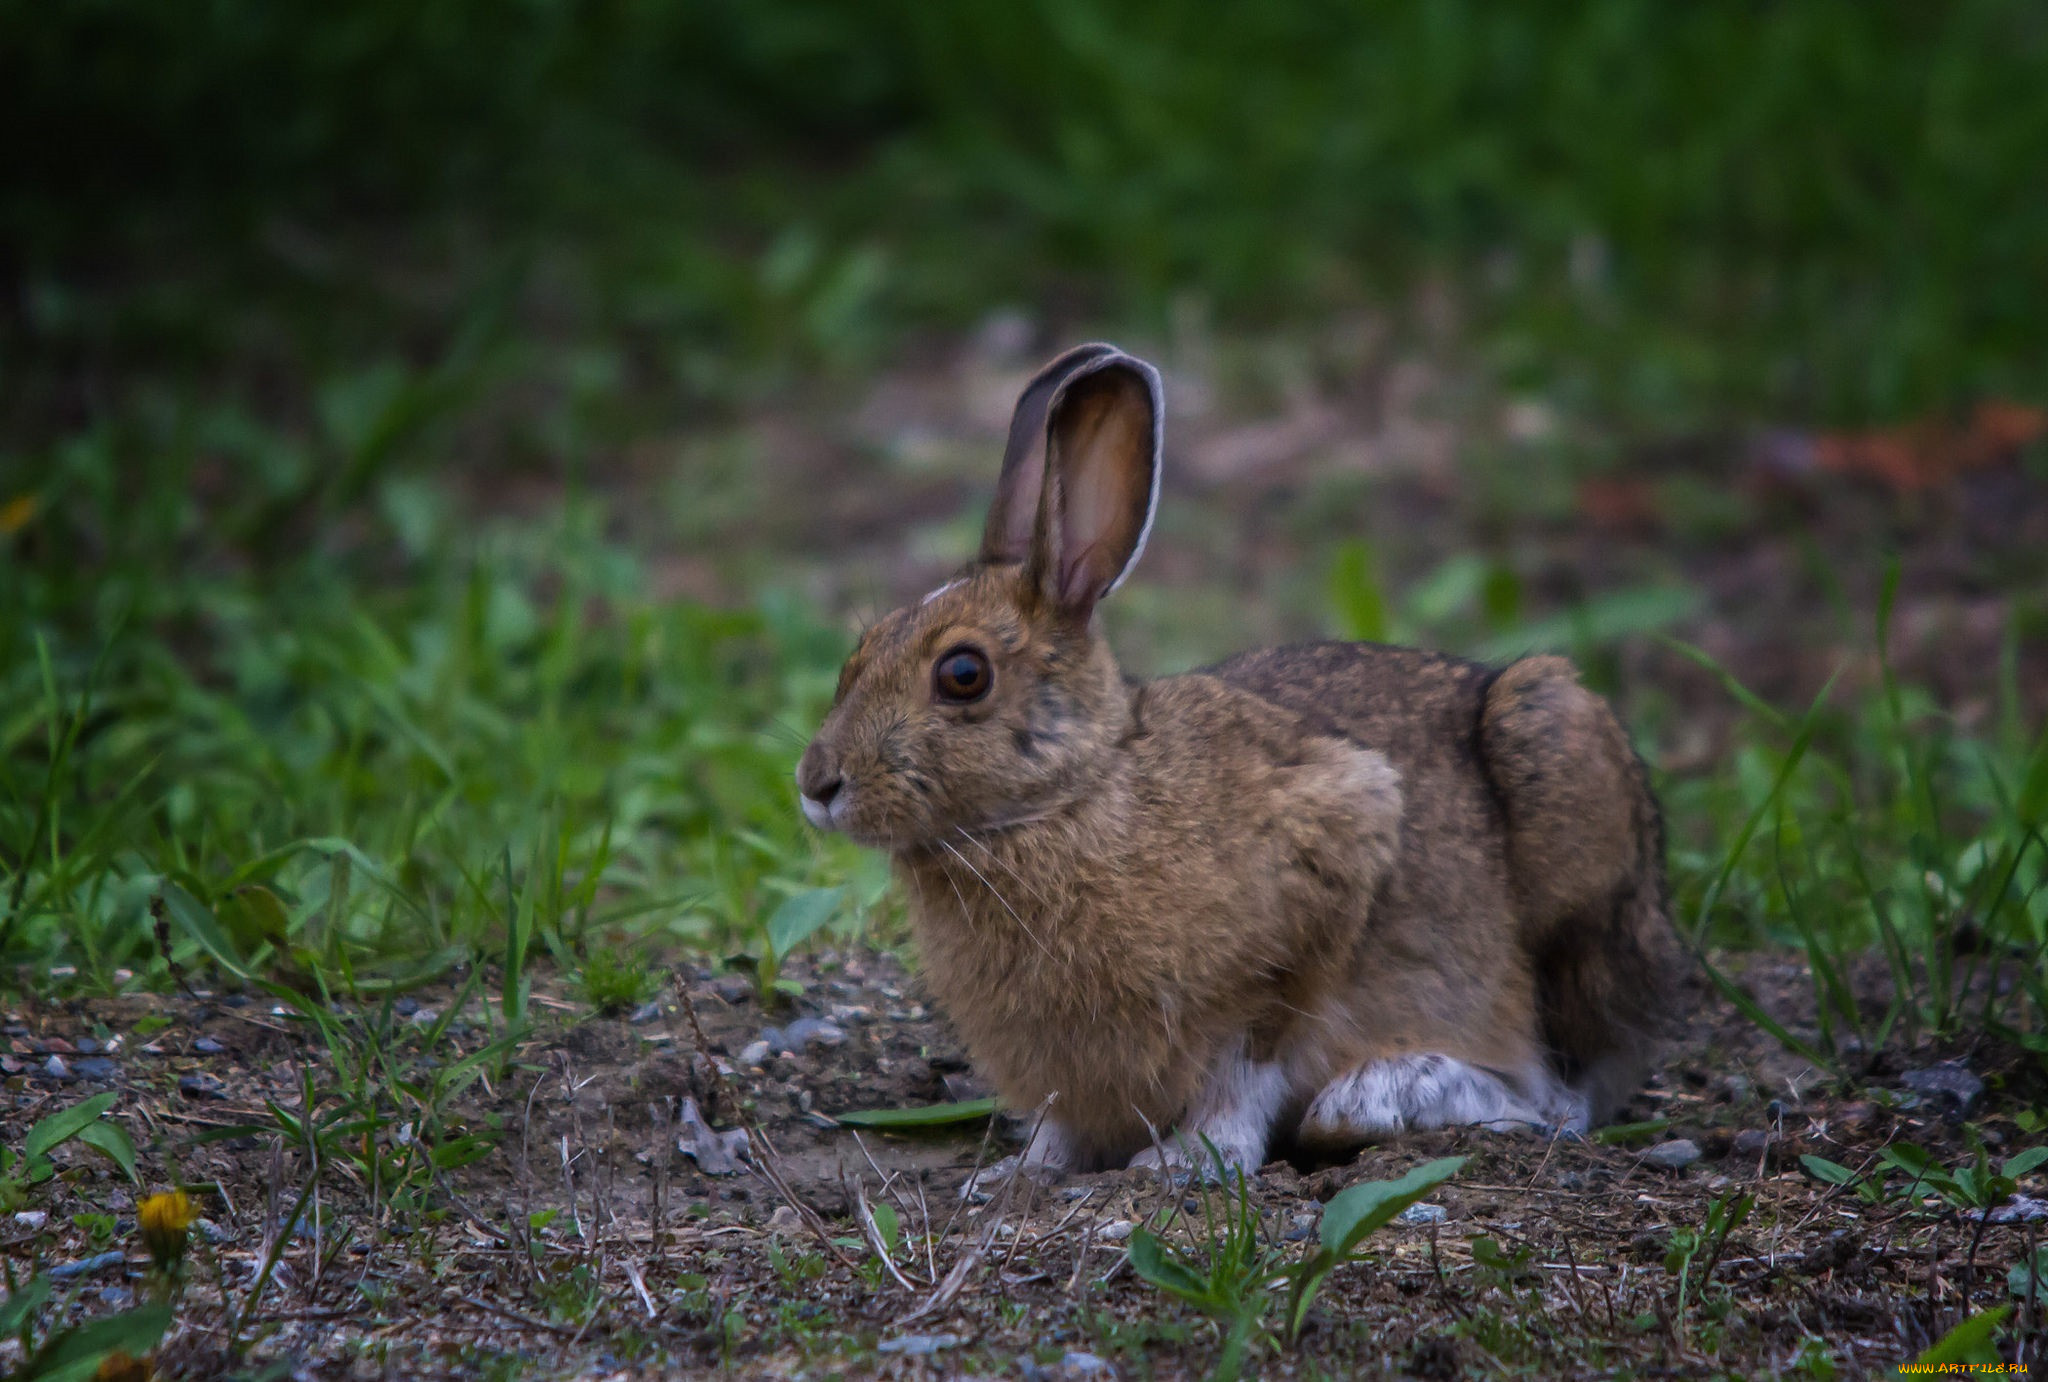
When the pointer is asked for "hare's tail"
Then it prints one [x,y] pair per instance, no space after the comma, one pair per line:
[1586,858]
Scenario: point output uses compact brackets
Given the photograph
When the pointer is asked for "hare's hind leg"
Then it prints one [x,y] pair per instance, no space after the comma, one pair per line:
[1586,865]
[1387,1097]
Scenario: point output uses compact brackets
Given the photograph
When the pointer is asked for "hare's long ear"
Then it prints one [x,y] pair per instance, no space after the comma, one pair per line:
[1103,437]
[1014,515]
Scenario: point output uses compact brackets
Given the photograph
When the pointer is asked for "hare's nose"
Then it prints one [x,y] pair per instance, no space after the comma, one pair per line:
[817,779]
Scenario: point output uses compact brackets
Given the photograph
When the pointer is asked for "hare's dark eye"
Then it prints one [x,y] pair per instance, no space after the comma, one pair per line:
[962,675]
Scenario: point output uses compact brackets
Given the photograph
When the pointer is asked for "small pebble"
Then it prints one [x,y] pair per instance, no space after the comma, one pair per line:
[95,1068]
[88,1046]
[91,1266]
[1115,1231]
[1301,1228]
[208,1046]
[1737,1089]
[754,1053]
[919,1345]
[32,1218]
[406,1007]
[811,1031]
[734,988]
[200,1085]
[2020,1209]
[1951,1085]
[119,1297]
[1675,1155]
[55,1069]
[645,1013]
[1424,1214]
[1749,1144]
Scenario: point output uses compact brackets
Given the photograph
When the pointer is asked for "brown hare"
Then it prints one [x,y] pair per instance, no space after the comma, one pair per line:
[1336,890]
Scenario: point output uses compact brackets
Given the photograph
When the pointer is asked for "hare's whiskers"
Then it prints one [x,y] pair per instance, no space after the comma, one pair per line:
[1005,865]
[948,847]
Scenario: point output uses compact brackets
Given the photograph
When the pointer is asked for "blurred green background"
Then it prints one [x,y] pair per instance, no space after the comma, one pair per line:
[1813,209]
[442,443]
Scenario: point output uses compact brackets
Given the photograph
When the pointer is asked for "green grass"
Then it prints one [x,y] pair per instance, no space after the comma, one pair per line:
[1875,827]
[367,765]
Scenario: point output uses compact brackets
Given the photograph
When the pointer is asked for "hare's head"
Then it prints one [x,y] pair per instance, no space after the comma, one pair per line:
[992,701]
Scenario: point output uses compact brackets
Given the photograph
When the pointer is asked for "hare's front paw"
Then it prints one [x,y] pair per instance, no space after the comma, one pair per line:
[1234,1113]
[1186,1154]
[1046,1159]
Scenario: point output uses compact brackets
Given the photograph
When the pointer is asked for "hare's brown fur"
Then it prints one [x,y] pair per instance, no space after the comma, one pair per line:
[1302,862]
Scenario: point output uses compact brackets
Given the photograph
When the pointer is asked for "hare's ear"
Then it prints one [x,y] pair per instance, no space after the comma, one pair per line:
[1014,515]
[1103,436]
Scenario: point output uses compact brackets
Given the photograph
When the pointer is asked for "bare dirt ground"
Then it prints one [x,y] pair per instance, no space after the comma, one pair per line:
[585,1241]
[588,1243]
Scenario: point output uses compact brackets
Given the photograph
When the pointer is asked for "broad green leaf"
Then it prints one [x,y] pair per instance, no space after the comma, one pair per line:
[887,1227]
[1151,1260]
[76,1353]
[111,1141]
[459,1152]
[1628,1134]
[1363,1208]
[202,926]
[800,917]
[1357,595]
[2017,1166]
[1820,1168]
[2027,1279]
[65,1124]
[1968,1342]
[927,1116]
[254,916]
[23,1304]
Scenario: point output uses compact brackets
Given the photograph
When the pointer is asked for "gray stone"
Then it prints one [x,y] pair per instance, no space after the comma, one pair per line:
[1675,1155]
[1950,1086]
[811,1031]
[1424,1214]
[1749,1144]
[716,1153]
[2020,1209]
[91,1266]
[919,1345]
[200,1085]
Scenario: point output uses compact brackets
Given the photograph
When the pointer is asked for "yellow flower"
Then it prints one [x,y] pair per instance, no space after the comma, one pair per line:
[118,1366]
[16,513]
[166,1219]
